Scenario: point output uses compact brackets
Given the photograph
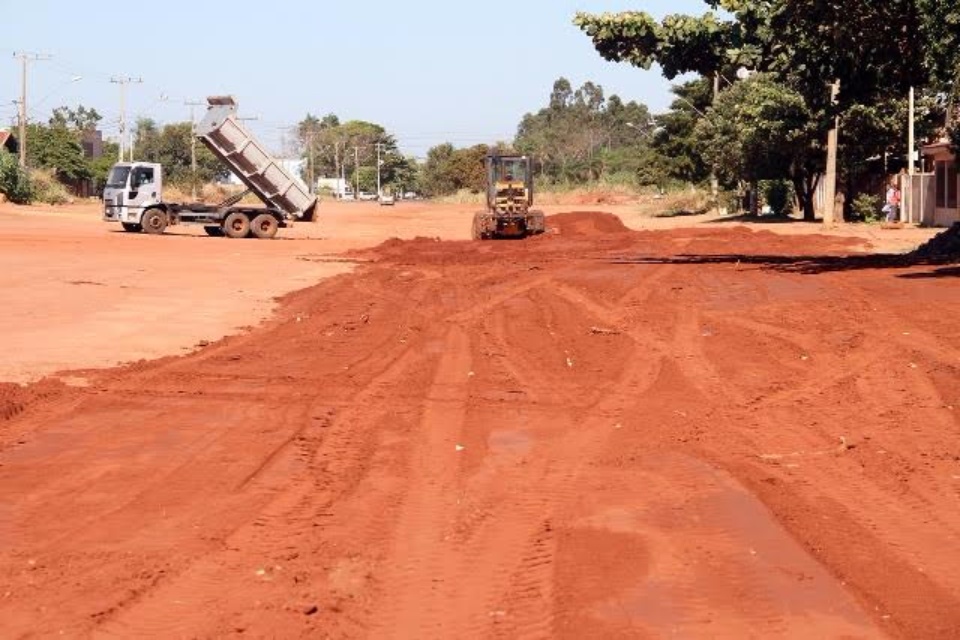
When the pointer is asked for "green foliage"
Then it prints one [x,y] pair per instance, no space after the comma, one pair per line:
[336,149]
[582,136]
[79,119]
[448,170]
[676,140]
[57,148]
[100,167]
[47,188]
[14,181]
[779,196]
[876,50]
[756,130]
[170,146]
[866,207]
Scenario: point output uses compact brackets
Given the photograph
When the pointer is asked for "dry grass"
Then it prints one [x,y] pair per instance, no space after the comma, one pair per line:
[689,202]
[210,193]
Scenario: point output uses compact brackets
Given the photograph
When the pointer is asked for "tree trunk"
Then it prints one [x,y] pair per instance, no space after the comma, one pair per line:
[805,186]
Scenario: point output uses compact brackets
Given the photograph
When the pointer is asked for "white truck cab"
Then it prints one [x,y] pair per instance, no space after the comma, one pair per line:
[132,188]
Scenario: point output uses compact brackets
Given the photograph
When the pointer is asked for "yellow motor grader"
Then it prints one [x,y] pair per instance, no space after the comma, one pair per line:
[509,198]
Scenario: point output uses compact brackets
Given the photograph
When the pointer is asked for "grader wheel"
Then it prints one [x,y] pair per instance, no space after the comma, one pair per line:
[477,232]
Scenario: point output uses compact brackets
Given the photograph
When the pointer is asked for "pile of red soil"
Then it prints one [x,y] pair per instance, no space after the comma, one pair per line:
[586,223]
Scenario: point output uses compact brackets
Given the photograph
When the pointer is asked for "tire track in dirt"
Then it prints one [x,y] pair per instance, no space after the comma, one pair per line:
[419,554]
[329,460]
[889,518]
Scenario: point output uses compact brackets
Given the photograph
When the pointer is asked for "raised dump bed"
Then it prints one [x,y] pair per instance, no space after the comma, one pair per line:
[229,140]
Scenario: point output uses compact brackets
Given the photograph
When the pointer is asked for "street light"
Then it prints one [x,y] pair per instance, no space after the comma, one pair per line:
[647,132]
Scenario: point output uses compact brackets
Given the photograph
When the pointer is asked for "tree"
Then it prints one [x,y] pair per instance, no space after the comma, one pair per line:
[170,146]
[581,135]
[332,146]
[874,50]
[757,130]
[79,119]
[448,170]
[675,141]
[59,149]
[14,181]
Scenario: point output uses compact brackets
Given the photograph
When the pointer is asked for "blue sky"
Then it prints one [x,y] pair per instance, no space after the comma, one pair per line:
[429,71]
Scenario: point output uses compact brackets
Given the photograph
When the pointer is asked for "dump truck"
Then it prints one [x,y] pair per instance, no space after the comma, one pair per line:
[509,198]
[133,195]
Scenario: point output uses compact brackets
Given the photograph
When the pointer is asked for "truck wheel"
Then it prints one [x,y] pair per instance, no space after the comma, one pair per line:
[236,225]
[216,232]
[131,227]
[264,226]
[154,221]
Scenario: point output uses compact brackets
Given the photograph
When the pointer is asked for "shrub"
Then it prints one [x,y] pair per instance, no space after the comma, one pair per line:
[866,207]
[14,181]
[47,189]
[779,195]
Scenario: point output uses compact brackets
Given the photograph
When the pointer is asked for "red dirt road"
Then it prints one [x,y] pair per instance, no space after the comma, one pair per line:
[592,433]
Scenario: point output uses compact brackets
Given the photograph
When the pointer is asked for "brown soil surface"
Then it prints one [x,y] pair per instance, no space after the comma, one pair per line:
[596,432]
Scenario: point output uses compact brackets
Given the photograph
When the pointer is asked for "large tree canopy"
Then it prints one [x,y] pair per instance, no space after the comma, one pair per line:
[349,149]
[583,135]
[875,50]
[868,46]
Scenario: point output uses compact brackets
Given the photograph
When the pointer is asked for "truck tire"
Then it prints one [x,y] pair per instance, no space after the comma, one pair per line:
[216,232]
[264,226]
[154,221]
[131,227]
[236,225]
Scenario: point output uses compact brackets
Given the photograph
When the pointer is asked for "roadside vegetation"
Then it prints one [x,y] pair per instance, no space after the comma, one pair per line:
[752,113]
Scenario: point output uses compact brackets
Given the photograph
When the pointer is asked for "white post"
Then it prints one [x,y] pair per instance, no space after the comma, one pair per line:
[910,147]
[379,191]
[830,183]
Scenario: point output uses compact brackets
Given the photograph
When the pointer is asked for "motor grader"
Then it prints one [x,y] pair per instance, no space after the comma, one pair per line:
[509,198]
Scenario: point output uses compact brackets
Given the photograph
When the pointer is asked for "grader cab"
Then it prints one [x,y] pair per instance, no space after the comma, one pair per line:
[509,198]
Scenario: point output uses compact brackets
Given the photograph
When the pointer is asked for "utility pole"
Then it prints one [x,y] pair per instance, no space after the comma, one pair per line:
[193,148]
[379,190]
[123,81]
[830,183]
[714,183]
[310,158]
[25,57]
[910,146]
[336,166]
[910,134]
[356,172]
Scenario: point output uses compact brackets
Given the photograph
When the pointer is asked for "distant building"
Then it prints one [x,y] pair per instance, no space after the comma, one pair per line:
[339,187]
[92,142]
[946,183]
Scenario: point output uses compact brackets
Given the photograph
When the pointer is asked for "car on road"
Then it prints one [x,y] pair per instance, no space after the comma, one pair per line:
[366,195]
[387,199]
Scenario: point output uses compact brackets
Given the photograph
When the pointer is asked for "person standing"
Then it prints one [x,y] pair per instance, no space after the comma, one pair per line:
[892,206]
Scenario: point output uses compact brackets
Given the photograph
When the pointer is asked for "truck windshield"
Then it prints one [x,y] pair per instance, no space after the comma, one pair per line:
[118,177]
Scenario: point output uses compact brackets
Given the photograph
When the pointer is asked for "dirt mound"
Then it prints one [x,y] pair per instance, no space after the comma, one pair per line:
[944,246]
[586,223]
